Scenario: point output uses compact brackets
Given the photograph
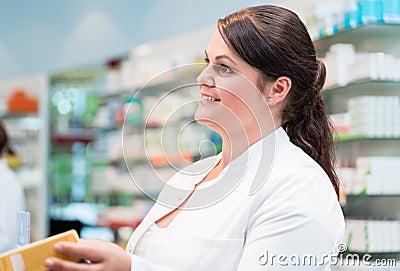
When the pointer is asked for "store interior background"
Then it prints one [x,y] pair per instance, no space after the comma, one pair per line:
[82,53]
[48,36]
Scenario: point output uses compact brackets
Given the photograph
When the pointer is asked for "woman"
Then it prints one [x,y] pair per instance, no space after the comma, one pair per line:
[269,199]
[12,197]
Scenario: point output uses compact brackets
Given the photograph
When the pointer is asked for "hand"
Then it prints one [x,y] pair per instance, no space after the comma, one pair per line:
[103,256]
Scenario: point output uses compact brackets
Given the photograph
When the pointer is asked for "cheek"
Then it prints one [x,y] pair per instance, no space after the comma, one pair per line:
[240,95]
[245,102]
[231,100]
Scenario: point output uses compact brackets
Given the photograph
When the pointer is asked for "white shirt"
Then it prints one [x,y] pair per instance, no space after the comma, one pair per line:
[270,209]
[12,200]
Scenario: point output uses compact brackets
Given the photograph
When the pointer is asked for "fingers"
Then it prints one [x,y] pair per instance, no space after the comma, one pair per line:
[62,265]
[85,249]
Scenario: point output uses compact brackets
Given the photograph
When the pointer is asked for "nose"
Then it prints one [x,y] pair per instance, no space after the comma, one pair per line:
[206,77]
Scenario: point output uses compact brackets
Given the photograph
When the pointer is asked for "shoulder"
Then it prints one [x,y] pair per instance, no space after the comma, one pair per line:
[294,168]
[298,186]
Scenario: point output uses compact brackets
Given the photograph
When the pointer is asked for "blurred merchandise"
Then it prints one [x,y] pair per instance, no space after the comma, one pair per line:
[369,117]
[23,111]
[358,41]
[99,233]
[344,65]
[13,161]
[341,122]
[376,176]
[374,116]
[371,176]
[349,14]
[20,102]
[124,216]
[120,131]
[372,236]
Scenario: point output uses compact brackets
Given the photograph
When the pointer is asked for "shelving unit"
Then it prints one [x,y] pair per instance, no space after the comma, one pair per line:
[29,136]
[115,135]
[337,96]
[111,153]
[384,206]
[366,38]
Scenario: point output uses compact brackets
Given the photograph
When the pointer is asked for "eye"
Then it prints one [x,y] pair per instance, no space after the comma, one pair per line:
[223,69]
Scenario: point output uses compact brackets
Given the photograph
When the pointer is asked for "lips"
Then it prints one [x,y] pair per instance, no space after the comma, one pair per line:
[209,98]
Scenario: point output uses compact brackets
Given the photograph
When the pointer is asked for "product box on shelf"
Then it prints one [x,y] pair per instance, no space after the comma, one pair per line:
[372,236]
[344,65]
[354,13]
[376,175]
[374,116]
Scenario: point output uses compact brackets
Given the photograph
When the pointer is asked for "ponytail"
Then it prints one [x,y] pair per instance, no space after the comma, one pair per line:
[321,76]
[308,125]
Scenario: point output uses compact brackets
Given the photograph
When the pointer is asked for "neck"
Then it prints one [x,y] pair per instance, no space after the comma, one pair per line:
[236,143]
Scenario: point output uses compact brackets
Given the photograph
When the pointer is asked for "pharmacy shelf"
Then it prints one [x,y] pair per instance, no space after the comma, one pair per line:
[359,138]
[366,38]
[108,90]
[154,124]
[77,135]
[162,161]
[349,150]
[169,81]
[29,137]
[368,206]
[338,96]
[9,115]
[96,133]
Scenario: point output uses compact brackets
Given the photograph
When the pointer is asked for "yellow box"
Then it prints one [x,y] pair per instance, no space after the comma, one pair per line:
[32,256]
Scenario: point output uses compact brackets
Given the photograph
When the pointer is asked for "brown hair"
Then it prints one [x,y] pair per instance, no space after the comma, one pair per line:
[275,41]
[4,143]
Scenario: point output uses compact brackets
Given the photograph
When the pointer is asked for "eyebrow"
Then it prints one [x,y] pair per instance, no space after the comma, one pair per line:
[219,57]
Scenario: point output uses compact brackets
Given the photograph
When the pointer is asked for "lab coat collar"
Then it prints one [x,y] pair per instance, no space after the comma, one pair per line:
[175,197]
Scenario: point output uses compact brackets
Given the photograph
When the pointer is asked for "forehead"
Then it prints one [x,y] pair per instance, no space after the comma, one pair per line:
[217,46]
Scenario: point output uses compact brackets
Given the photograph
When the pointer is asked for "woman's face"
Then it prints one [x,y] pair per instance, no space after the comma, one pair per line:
[229,97]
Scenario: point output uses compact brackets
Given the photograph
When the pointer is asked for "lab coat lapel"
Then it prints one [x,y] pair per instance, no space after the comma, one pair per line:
[173,194]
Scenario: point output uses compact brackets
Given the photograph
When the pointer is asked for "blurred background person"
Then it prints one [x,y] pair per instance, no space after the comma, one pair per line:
[12,198]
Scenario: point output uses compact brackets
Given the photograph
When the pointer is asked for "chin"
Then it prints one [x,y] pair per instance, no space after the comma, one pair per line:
[201,119]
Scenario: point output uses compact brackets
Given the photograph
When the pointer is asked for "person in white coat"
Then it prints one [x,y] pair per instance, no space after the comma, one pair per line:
[12,198]
[269,200]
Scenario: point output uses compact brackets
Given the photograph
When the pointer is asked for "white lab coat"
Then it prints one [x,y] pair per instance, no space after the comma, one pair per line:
[256,223]
[12,200]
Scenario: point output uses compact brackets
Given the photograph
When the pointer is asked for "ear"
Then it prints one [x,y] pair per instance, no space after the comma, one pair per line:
[279,90]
